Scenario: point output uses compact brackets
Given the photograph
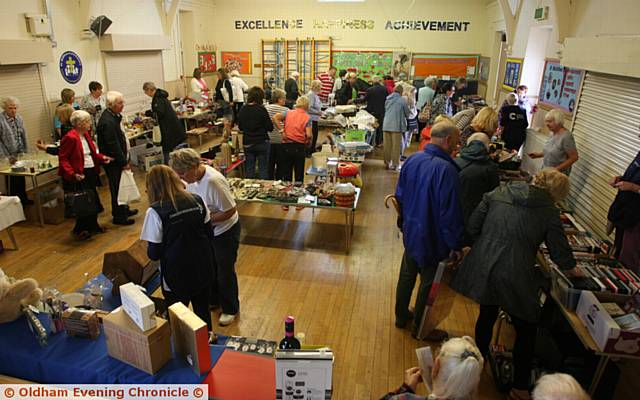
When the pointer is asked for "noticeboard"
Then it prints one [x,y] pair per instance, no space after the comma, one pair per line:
[560,86]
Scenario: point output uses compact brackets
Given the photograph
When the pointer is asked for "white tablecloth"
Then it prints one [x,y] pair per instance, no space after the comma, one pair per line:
[10,211]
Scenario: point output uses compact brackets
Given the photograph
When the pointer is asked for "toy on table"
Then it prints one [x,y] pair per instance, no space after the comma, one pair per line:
[16,293]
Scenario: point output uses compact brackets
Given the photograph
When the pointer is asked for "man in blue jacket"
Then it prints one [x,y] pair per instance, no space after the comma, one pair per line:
[432,220]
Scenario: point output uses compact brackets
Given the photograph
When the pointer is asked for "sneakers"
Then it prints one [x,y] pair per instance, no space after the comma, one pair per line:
[226,319]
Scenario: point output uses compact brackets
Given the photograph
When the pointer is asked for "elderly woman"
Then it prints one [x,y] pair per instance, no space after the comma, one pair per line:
[80,168]
[396,112]
[485,121]
[560,150]
[315,111]
[427,92]
[13,141]
[291,88]
[297,133]
[255,124]
[442,103]
[558,387]
[455,374]
[513,123]
[508,227]
[412,120]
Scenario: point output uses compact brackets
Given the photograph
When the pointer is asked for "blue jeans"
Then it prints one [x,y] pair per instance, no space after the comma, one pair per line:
[257,152]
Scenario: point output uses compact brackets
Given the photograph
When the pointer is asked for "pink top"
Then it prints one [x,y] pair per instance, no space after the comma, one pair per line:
[295,126]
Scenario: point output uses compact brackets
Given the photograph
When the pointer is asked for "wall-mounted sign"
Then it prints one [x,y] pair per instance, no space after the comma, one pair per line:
[413,25]
[343,23]
[205,47]
[70,67]
[237,61]
[447,65]
[560,85]
[512,73]
[207,61]
[268,24]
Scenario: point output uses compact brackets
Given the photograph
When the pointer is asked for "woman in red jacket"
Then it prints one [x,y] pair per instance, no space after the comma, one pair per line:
[79,167]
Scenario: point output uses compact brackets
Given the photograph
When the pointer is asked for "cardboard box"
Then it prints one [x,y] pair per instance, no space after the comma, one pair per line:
[148,351]
[304,374]
[129,265]
[190,338]
[604,330]
[138,306]
[147,161]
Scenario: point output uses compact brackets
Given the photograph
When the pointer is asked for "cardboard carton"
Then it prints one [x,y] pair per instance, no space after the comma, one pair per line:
[304,374]
[148,351]
[190,338]
[138,306]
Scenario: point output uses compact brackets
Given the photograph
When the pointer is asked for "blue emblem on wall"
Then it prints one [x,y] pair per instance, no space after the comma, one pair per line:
[70,67]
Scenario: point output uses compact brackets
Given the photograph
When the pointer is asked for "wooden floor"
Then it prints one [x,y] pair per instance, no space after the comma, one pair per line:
[290,263]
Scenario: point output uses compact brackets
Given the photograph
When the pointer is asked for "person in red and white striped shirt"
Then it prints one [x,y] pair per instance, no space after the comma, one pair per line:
[327,79]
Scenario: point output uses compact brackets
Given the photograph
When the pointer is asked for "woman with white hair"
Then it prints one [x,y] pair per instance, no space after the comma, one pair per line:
[79,167]
[315,112]
[499,272]
[238,86]
[13,141]
[455,374]
[558,387]
[427,92]
[560,150]
[513,122]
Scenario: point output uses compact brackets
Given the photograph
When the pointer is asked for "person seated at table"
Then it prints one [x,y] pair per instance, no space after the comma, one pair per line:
[499,272]
[177,228]
[513,123]
[558,387]
[13,142]
[79,167]
[67,97]
[255,124]
[455,374]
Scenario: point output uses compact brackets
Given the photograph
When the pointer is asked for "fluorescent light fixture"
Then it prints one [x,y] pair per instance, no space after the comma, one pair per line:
[341,1]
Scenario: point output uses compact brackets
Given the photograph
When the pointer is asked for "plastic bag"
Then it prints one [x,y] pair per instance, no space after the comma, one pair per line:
[128,191]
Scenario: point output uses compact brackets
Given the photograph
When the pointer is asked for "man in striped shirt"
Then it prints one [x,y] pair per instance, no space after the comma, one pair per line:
[327,79]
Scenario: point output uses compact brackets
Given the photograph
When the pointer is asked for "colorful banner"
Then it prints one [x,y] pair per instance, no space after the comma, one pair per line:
[364,63]
[207,61]
[560,86]
[512,73]
[237,60]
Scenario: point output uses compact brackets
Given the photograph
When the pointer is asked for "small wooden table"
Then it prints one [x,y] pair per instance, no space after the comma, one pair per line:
[7,171]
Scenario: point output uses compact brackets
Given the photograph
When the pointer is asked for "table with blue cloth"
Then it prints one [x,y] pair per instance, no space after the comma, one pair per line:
[69,360]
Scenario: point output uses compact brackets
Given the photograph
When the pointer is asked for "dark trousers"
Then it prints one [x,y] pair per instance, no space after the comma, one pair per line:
[88,223]
[200,302]
[379,135]
[275,161]
[236,109]
[225,286]
[522,349]
[113,174]
[409,271]
[314,138]
[17,186]
[257,153]
[293,157]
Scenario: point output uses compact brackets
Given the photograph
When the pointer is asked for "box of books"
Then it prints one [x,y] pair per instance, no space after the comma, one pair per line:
[614,327]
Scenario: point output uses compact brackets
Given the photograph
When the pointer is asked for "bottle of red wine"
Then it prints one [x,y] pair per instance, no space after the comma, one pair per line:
[289,341]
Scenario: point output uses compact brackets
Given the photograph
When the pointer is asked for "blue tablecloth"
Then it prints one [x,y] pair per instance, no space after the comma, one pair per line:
[72,360]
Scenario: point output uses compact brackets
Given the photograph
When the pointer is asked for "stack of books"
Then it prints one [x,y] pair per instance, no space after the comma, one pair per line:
[602,278]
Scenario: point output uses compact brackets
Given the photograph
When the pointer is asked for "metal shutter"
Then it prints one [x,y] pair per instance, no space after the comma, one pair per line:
[127,71]
[24,82]
[605,129]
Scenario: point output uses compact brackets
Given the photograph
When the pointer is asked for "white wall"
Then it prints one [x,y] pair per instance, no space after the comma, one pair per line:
[69,17]
[470,42]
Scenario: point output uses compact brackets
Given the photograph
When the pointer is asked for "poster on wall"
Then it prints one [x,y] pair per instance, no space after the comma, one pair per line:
[70,67]
[237,61]
[512,73]
[560,86]
[365,64]
[401,63]
[484,66]
[207,61]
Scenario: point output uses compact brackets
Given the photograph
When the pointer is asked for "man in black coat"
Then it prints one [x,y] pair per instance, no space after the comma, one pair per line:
[112,143]
[375,97]
[346,94]
[291,89]
[171,129]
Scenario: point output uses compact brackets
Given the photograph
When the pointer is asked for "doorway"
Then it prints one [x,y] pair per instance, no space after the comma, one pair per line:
[534,58]
[188,55]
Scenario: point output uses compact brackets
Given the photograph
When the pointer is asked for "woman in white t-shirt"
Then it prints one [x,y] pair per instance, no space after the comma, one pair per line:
[177,229]
[239,87]
[214,189]
[199,88]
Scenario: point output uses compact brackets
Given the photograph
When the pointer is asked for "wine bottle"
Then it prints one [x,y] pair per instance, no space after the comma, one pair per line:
[289,341]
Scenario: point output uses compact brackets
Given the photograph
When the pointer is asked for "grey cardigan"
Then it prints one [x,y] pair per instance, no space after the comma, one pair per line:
[9,143]
[396,112]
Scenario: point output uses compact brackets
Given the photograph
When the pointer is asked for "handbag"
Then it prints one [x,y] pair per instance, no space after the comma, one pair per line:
[128,190]
[425,113]
[81,203]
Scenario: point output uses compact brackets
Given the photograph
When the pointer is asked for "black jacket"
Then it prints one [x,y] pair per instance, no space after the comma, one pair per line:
[111,140]
[376,96]
[291,89]
[172,130]
[345,93]
[514,126]
[625,209]
[227,85]
[478,175]
[254,123]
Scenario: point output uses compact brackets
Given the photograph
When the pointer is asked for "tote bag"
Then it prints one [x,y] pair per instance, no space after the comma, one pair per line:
[128,190]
